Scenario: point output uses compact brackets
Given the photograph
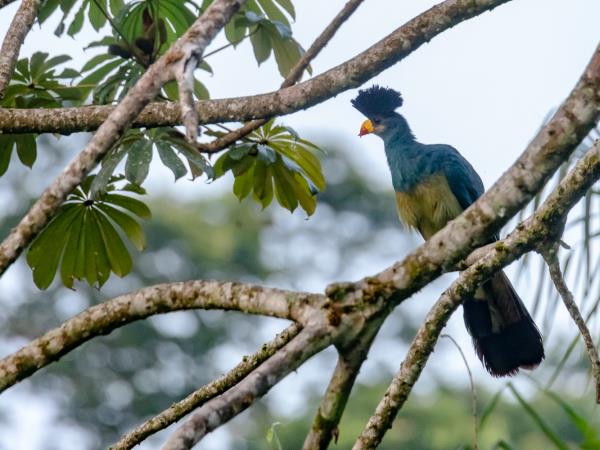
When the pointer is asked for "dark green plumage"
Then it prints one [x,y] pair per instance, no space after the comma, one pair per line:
[434,184]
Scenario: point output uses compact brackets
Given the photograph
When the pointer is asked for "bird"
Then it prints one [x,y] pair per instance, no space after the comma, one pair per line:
[433,184]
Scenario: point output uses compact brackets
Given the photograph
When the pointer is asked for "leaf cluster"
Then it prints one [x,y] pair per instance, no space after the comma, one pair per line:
[84,238]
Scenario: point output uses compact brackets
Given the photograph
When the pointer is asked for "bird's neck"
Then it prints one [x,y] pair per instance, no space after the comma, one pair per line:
[403,154]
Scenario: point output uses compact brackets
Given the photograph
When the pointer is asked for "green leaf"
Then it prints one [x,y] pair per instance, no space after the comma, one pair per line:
[96,16]
[129,203]
[139,156]
[284,191]
[96,252]
[26,148]
[6,147]
[75,240]
[263,183]
[235,30]
[261,44]
[544,428]
[170,159]
[200,91]
[273,12]
[45,251]
[119,257]
[129,225]
[77,23]
[288,6]
[97,60]
[287,54]
[243,183]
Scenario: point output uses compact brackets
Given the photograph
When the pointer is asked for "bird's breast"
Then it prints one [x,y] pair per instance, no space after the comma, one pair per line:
[428,205]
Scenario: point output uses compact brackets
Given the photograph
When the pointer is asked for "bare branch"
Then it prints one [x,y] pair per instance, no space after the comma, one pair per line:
[348,75]
[292,78]
[551,258]
[103,318]
[15,36]
[193,42]
[544,225]
[216,412]
[207,392]
[333,402]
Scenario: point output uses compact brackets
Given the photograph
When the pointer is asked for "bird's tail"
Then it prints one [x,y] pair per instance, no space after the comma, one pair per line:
[504,334]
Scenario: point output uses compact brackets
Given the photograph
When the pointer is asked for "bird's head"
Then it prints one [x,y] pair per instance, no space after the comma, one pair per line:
[378,104]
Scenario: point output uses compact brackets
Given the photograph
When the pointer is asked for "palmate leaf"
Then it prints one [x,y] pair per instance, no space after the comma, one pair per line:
[275,162]
[84,238]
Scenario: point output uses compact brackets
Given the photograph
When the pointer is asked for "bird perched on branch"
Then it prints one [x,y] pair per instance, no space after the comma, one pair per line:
[434,184]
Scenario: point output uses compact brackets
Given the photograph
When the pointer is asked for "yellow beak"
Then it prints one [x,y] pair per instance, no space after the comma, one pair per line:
[366,128]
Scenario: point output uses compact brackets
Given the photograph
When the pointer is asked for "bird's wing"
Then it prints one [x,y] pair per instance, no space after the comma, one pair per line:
[465,183]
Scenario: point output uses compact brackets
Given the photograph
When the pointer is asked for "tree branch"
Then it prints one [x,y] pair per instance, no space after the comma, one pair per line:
[15,36]
[176,411]
[292,78]
[348,75]
[551,258]
[543,226]
[103,318]
[312,339]
[192,43]
[333,402]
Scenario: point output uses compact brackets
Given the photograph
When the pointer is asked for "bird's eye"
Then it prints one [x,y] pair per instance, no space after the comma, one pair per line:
[377,121]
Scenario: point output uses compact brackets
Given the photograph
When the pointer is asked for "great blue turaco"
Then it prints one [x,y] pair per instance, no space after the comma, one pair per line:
[434,184]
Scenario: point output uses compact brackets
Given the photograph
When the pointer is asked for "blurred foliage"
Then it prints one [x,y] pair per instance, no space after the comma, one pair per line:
[441,420]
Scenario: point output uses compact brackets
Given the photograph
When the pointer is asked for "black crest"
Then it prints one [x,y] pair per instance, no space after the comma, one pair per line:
[377,100]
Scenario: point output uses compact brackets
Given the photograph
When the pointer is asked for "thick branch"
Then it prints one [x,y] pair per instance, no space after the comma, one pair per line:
[193,42]
[176,411]
[545,225]
[333,402]
[348,75]
[19,27]
[103,318]
[218,411]
[550,255]
[292,78]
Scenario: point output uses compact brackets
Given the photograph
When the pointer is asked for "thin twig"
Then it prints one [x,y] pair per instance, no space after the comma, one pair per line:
[292,77]
[103,318]
[473,392]
[207,392]
[230,44]
[550,255]
[15,36]
[221,409]
[350,360]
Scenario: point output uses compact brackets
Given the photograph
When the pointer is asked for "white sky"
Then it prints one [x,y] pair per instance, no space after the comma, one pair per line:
[484,86]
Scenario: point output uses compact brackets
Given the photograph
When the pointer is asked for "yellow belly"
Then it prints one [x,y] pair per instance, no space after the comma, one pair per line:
[428,206]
